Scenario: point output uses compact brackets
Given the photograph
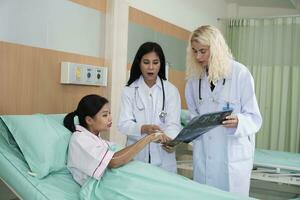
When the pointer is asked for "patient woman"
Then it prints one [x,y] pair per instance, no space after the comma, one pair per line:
[106,173]
[89,155]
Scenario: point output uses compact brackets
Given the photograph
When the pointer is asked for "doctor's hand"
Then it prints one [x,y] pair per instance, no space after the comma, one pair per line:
[150,128]
[231,121]
[168,148]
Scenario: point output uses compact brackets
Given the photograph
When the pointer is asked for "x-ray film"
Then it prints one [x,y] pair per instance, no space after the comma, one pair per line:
[200,125]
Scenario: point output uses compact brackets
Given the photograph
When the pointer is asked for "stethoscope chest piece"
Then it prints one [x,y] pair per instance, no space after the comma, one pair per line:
[200,101]
[162,116]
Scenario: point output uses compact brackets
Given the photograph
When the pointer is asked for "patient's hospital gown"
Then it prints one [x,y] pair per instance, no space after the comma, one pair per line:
[88,158]
[88,155]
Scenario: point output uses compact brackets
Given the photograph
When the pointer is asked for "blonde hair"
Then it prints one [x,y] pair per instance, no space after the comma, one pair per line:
[220,55]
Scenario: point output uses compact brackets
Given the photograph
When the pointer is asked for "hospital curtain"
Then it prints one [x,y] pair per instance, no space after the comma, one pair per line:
[270,48]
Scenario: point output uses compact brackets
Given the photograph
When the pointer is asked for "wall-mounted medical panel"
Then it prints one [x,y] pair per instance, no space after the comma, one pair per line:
[83,74]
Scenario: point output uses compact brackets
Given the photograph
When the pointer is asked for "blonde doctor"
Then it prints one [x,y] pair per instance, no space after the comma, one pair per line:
[150,104]
[223,157]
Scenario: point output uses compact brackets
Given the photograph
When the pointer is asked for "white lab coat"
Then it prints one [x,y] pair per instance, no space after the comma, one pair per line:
[138,107]
[223,157]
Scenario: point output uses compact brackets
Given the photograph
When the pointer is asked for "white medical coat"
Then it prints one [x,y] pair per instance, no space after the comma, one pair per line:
[88,155]
[223,157]
[141,105]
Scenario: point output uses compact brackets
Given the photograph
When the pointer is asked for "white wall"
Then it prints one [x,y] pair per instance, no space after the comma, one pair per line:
[56,24]
[245,11]
[263,11]
[188,14]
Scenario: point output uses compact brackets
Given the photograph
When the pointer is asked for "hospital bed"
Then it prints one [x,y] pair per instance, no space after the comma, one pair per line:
[17,175]
[275,174]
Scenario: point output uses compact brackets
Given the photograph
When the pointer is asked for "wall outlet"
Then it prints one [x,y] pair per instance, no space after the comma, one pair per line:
[83,74]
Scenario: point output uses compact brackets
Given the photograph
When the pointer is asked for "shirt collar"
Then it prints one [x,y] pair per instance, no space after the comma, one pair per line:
[82,129]
[142,83]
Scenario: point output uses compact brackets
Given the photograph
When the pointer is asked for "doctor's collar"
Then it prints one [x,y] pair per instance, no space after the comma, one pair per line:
[141,82]
[227,76]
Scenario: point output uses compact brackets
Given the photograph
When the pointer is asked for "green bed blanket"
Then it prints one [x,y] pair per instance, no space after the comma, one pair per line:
[141,181]
[134,181]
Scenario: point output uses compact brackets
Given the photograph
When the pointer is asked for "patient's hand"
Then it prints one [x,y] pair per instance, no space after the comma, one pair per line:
[150,128]
[164,137]
[160,137]
[156,137]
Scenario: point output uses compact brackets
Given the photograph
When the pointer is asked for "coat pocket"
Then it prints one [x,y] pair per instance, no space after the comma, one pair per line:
[240,149]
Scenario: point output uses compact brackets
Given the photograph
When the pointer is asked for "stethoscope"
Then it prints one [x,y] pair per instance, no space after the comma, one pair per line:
[226,107]
[162,114]
[200,97]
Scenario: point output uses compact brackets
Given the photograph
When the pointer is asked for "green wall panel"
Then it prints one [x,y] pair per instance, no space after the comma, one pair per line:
[174,49]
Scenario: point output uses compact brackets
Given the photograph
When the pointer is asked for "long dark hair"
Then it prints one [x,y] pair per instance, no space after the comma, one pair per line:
[88,106]
[145,48]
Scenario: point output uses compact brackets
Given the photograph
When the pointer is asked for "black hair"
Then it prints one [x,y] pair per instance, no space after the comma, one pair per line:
[89,105]
[145,48]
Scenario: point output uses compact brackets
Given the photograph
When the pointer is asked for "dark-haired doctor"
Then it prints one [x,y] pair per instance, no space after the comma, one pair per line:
[149,104]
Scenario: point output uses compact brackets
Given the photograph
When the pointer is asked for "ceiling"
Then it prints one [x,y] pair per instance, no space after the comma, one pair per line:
[291,4]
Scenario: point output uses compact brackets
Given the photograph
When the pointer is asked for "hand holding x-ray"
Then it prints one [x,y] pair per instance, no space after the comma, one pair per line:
[231,121]
[200,125]
[169,149]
